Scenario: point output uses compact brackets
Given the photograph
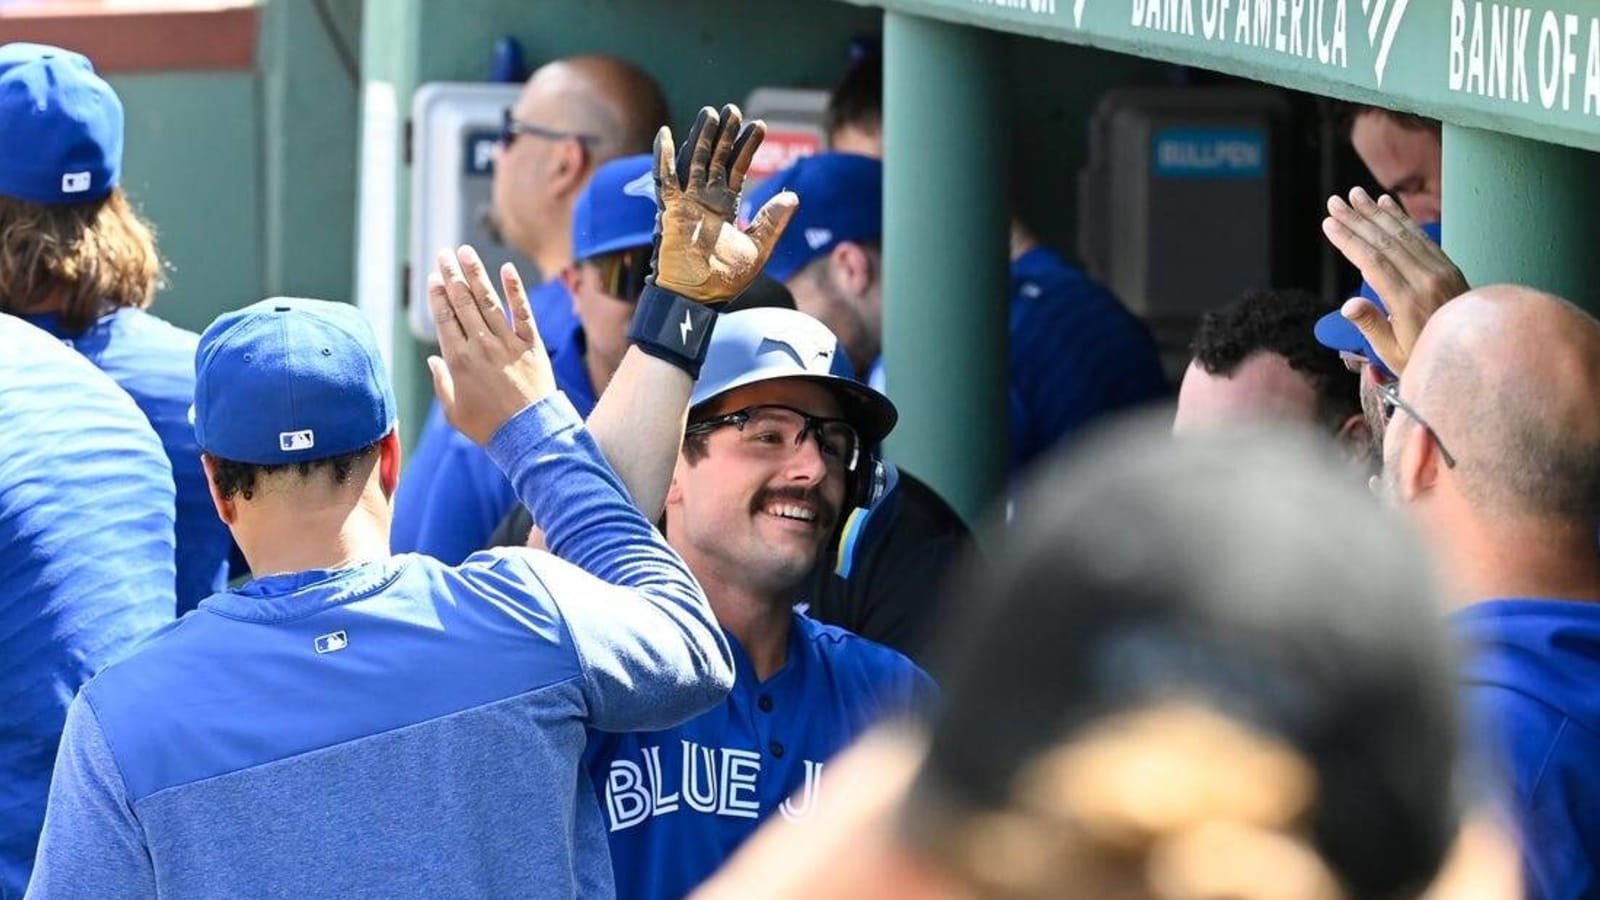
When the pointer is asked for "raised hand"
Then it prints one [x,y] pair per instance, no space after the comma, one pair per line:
[700,253]
[489,369]
[1407,269]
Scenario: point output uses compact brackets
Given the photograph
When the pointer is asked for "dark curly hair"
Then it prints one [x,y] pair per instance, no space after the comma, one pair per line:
[1281,322]
[240,478]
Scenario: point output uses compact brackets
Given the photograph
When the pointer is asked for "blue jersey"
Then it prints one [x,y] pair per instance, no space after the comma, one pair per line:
[678,802]
[397,728]
[453,496]
[1076,353]
[154,362]
[1529,673]
[86,539]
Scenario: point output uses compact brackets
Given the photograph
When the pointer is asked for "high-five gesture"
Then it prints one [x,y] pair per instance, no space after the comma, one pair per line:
[700,253]
[1407,269]
[490,369]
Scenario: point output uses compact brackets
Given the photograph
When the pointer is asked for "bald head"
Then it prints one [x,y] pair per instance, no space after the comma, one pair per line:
[1509,378]
[580,112]
[613,100]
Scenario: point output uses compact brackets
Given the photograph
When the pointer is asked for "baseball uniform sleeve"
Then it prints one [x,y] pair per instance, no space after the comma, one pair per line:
[92,844]
[652,652]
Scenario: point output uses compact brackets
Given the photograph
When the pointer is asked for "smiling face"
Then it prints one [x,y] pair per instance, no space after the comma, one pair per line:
[754,509]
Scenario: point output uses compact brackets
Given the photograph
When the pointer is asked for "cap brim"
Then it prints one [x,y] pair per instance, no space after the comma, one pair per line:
[1336,332]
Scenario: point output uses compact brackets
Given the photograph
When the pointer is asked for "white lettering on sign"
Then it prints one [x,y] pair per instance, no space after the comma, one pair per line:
[1493,47]
[1310,29]
[1038,7]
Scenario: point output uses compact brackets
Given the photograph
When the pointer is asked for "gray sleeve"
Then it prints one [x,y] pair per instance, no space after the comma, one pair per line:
[92,845]
[652,652]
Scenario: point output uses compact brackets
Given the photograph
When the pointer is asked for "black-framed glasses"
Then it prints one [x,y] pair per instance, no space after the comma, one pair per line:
[782,429]
[1390,392]
[511,126]
[623,273]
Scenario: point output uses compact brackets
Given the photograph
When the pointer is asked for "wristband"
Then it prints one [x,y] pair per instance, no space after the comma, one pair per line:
[673,329]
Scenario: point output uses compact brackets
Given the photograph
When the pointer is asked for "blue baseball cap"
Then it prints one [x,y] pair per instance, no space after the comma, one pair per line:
[762,344]
[288,380]
[841,199]
[617,209]
[1336,332]
[60,126]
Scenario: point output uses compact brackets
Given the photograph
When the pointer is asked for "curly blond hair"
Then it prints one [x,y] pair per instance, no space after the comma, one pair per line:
[81,260]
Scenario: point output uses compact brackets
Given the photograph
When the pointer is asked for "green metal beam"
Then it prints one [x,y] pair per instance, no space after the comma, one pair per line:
[1523,212]
[945,256]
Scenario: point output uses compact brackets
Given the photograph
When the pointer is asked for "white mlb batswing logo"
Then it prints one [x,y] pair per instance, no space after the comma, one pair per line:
[291,441]
[330,643]
[75,182]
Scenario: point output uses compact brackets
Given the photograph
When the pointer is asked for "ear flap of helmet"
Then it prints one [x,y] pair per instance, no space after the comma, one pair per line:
[872,502]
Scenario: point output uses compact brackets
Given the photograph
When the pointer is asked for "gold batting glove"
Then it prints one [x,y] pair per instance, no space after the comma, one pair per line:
[700,254]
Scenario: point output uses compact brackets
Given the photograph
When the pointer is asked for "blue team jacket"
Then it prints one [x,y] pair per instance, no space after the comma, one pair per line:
[395,729]
[1530,676]
[154,362]
[1076,353]
[453,495]
[86,538]
[678,802]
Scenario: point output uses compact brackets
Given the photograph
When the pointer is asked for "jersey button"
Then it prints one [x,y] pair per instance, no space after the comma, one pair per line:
[777,749]
[765,703]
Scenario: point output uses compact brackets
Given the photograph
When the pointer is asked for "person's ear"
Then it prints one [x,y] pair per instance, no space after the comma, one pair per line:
[1420,463]
[226,510]
[852,269]
[389,463]
[1357,443]
[569,167]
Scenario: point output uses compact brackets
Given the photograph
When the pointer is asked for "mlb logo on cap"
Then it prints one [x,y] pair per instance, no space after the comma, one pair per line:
[295,441]
[76,182]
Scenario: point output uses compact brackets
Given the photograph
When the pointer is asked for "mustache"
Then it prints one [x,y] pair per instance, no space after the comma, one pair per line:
[827,513]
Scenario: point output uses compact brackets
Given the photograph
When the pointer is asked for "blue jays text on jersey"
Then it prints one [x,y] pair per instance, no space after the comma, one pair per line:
[678,802]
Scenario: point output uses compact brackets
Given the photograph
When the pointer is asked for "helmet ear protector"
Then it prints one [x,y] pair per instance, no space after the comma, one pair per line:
[870,500]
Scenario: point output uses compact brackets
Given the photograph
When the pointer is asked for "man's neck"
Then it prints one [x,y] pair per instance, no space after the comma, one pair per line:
[1509,560]
[600,370]
[284,544]
[759,623]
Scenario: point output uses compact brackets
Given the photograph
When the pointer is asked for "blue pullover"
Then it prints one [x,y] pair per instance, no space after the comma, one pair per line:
[1530,675]
[397,728]
[453,495]
[679,802]
[86,538]
[154,362]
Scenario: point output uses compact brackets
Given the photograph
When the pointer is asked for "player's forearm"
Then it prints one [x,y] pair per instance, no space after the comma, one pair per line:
[638,424]
[561,476]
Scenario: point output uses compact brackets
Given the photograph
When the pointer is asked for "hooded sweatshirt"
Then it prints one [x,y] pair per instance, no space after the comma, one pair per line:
[1531,680]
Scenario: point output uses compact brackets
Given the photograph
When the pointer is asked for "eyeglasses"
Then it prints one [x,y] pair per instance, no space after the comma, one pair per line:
[511,126]
[1390,392]
[780,430]
[1353,361]
[622,274]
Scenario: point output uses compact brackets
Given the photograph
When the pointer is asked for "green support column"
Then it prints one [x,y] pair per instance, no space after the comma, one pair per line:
[946,178]
[1523,211]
